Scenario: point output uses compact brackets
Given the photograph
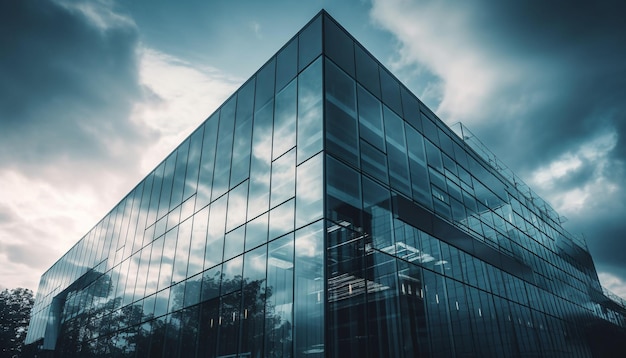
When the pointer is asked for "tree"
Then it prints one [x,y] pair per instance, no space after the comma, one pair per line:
[15,307]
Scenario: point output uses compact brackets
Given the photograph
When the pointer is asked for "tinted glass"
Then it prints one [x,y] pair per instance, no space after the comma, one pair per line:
[367,71]
[310,43]
[286,64]
[310,111]
[338,46]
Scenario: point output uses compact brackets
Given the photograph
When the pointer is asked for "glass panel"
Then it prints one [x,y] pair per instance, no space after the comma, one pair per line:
[198,241]
[367,71]
[309,191]
[371,119]
[237,206]
[343,190]
[374,162]
[414,328]
[285,120]
[283,178]
[230,319]
[310,44]
[215,237]
[265,84]
[166,188]
[434,156]
[411,108]
[154,201]
[286,64]
[253,308]
[338,46]
[279,301]
[256,232]
[390,91]
[179,174]
[182,251]
[341,124]
[397,153]
[243,133]
[167,259]
[281,220]
[309,291]
[258,197]
[377,215]
[211,282]
[310,111]
[224,148]
[205,179]
[233,242]
[231,276]
[417,165]
[209,318]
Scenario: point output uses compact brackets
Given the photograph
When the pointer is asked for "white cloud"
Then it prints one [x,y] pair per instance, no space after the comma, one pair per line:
[613,283]
[181,96]
[435,36]
[593,155]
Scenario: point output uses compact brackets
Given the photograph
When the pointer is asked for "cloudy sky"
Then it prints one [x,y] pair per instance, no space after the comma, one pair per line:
[93,94]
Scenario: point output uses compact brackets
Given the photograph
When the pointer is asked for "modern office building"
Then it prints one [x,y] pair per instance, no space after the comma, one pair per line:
[324,211]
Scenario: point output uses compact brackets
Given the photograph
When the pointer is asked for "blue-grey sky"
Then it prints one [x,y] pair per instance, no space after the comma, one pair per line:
[93,94]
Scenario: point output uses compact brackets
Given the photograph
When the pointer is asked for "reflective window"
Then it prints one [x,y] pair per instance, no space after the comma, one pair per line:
[286,64]
[374,162]
[215,237]
[237,206]
[178,184]
[207,162]
[243,132]
[233,242]
[198,241]
[281,219]
[265,84]
[343,193]
[224,148]
[338,46]
[371,119]
[310,43]
[310,111]
[253,302]
[377,221]
[260,170]
[309,191]
[283,178]
[256,232]
[390,91]
[285,120]
[367,71]
[397,152]
[341,124]
[279,301]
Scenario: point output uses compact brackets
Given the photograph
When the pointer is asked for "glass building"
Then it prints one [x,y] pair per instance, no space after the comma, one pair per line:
[324,211]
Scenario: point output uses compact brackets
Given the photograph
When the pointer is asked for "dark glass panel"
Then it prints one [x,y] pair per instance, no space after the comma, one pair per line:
[279,298]
[347,317]
[411,107]
[397,152]
[224,149]
[211,282]
[209,324]
[340,88]
[374,162]
[417,165]
[245,100]
[309,291]
[167,259]
[371,119]
[341,134]
[383,312]
[338,46]
[193,290]
[390,91]
[190,322]
[310,111]
[377,216]
[253,304]
[343,190]
[286,64]
[309,191]
[154,201]
[207,162]
[230,319]
[285,120]
[310,43]
[437,312]
[367,71]
[430,129]
[155,265]
[413,322]
[265,84]
[434,156]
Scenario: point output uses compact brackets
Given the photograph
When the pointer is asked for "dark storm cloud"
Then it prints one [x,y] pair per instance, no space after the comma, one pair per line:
[67,84]
[543,85]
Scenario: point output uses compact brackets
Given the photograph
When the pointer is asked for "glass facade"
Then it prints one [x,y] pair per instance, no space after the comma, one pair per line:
[324,211]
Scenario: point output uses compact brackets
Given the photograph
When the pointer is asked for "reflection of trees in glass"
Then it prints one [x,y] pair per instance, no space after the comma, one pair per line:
[15,307]
[247,323]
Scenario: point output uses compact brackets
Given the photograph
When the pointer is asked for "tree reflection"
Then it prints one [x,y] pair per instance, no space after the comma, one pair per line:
[242,320]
